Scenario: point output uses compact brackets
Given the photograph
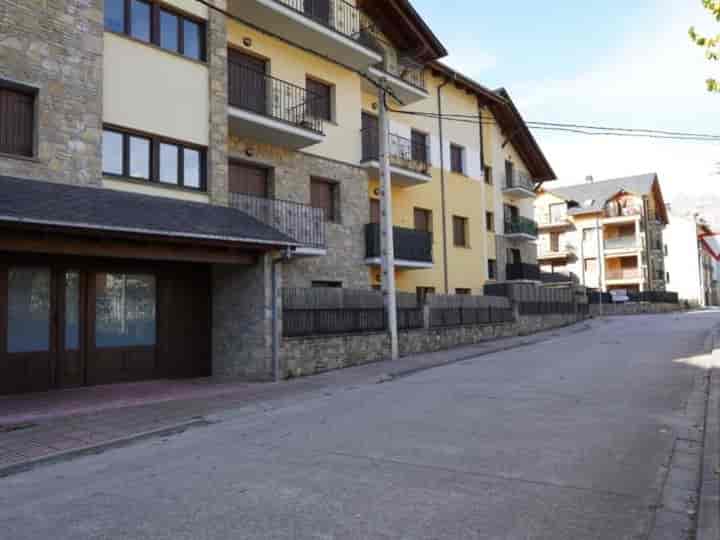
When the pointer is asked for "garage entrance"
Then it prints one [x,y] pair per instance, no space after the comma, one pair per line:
[79,322]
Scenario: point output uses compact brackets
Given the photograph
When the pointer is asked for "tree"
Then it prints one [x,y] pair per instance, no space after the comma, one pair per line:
[711,44]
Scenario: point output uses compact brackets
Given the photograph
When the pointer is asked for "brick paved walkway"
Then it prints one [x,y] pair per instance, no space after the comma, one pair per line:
[54,424]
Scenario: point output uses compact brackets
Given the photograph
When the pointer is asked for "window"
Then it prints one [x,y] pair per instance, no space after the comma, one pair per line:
[509,173]
[463,292]
[17,121]
[324,194]
[492,269]
[327,284]
[591,266]
[419,146]
[490,221]
[147,21]
[125,310]
[320,100]
[423,219]
[667,277]
[153,159]
[589,235]
[666,251]
[456,159]
[460,231]
[487,169]
[28,310]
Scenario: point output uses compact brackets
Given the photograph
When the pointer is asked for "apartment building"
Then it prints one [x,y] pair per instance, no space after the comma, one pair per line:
[608,233]
[690,259]
[166,166]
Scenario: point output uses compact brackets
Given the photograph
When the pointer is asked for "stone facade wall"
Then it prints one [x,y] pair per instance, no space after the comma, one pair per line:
[218,136]
[290,180]
[56,47]
[242,321]
[307,356]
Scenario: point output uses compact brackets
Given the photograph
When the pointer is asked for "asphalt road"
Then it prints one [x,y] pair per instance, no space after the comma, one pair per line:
[563,440]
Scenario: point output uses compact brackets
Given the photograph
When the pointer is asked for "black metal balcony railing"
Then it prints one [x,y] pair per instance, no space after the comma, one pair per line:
[521,225]
[302,223]
[514,271]
[337,15]
[405,153]
[262,94]
[519,179]
[410,245]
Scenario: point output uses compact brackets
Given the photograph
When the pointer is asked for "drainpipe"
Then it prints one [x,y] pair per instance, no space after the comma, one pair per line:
[442,182]
[286,256]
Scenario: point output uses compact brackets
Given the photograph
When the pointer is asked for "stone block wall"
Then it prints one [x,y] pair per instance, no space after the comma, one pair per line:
[290,174]
[242,321]
[633,309]
[56,47]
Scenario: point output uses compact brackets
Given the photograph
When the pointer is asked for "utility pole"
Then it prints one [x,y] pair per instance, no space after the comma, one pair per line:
[387,242]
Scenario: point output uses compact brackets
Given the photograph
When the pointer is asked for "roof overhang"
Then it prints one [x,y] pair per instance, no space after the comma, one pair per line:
[402,24]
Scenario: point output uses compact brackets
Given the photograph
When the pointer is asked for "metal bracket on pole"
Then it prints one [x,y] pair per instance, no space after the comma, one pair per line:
[387,242]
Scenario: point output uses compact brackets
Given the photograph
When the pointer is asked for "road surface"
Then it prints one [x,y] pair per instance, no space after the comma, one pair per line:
[561,440]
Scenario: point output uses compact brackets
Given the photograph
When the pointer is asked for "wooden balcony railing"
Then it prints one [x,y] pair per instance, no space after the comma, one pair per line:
[410,245]
[262,94]
[302,223]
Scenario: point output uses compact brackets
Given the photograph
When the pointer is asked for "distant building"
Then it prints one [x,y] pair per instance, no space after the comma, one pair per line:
[609,233]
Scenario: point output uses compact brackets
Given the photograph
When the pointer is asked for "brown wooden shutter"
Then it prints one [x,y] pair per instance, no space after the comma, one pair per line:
[319,100]
[374,211]
[17,122]
[322,196]
[370,137]
[459,231]
[456,161]
[423,219]
[419,146]
[248,180]
[247,82]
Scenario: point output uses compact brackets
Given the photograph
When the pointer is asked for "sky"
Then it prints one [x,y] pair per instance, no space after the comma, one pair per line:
[629,63]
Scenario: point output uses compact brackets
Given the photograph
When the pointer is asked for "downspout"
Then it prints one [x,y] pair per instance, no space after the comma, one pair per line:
[443,203]
[286,256]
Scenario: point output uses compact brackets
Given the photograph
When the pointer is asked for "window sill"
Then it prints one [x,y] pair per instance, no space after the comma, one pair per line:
[146,187]
[30,159]
[156,47]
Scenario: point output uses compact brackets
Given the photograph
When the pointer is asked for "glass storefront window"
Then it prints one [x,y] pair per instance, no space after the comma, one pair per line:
[125,310]
[72,311]
[28,310]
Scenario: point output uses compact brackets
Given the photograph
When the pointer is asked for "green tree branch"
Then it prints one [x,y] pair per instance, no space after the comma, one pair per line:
[711,44]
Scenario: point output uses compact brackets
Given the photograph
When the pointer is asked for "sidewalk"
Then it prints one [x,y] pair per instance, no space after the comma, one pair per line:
[49,427]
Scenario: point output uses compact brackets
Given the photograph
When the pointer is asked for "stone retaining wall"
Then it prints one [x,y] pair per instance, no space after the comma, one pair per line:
[307,356]
[633,309]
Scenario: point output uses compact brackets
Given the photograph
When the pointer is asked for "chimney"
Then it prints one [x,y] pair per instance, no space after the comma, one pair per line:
[589,179]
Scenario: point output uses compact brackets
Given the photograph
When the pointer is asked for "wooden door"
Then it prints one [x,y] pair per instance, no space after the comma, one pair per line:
[248,180]
[248,82]
[27,328]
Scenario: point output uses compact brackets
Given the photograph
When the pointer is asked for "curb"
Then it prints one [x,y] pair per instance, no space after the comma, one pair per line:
[400,374]
[67,455]
[709,506]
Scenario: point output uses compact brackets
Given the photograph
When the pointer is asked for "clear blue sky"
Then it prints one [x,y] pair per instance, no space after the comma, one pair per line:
[627,63]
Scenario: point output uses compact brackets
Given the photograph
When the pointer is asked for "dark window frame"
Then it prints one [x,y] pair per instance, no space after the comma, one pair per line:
[488,173]
[155,142]
[457,158]
[492,269]
[155,31]
[326,112]
[463,291]
[336,216]
[490,221]
[464,242]
[32,94]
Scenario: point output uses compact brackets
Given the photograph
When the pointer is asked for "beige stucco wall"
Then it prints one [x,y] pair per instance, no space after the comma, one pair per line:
[152,90]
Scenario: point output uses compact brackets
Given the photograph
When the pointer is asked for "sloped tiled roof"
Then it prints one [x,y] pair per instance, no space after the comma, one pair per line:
[34,202]
[596,194]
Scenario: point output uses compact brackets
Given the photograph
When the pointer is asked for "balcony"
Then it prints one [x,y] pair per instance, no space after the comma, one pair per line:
[555,220]
[556,252]
[521,228]
[330,28]
[413,249]
[622,243]
[522,272]
[272,111]
[559,278]
[302,223]
[519,185]
[623,274]
[409,161]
